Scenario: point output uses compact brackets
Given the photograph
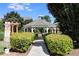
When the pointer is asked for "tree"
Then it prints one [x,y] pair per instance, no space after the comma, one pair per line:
[27,20]
[68,17]
[46,17]
[13,17]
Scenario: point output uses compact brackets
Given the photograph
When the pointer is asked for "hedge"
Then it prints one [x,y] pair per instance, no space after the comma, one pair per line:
[59,44]
[2,46]
[21,41]
[1,36]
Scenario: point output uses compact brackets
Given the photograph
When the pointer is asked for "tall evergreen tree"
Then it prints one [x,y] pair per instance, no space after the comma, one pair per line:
[67,14]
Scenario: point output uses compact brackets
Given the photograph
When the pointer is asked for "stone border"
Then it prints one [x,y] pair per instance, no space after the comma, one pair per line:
[24,54]
[47,47]
[28,50]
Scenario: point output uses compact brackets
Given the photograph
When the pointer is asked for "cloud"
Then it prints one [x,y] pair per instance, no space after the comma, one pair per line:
[28,9]
[41,15]
[27,3]
[16,6]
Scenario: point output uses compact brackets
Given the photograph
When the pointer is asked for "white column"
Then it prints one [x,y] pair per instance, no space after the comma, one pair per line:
[24,29]
[58,30]
[32,30]
[54,30]
[43,30]
[7,37]
[27,30]
[47,30]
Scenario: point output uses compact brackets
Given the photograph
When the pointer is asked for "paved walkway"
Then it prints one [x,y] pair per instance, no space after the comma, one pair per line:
[38,48]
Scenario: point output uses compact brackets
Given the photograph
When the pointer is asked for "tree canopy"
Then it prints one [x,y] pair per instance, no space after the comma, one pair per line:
[27,20]
[13,17]
[67,14]
[46,17]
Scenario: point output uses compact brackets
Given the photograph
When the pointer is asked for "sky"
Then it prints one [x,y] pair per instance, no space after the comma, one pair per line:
[26,9]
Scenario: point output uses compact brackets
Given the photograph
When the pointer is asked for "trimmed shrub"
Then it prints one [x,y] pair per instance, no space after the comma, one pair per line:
[1,36]
[59,44]
[21,41]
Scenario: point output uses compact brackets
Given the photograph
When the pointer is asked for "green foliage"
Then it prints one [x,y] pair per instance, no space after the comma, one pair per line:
[2,46]
[13,17]
[68,17]
[27,21]
[1,36]
[21,41]
[1,25]
[59,44]
[1,30]
[46,17]
[12,14]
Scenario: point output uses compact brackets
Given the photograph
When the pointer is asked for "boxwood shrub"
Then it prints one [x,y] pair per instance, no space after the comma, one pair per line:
[59,44]
[21,41]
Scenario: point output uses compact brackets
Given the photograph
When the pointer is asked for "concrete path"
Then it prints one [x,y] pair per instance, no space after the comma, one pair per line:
[38,48]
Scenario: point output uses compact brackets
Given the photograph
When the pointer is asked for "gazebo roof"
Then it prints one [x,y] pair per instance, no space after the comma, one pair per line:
[40,23]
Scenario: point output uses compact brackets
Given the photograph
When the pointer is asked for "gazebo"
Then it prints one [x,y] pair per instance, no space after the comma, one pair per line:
[41,23]
[14,26]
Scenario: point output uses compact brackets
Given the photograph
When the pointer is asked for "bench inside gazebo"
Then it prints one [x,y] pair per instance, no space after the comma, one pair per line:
[41,23]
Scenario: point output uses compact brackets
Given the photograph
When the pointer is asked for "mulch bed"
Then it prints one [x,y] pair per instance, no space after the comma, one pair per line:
[15,54]
[74,52]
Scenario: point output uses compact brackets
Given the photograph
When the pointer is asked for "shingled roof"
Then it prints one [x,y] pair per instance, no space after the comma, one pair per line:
[40,23]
